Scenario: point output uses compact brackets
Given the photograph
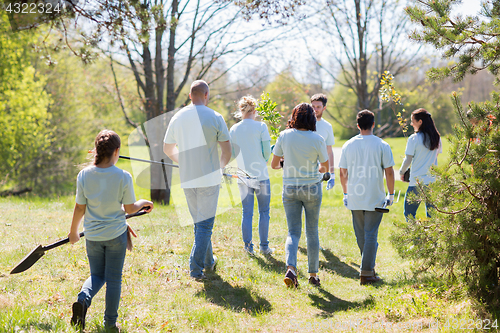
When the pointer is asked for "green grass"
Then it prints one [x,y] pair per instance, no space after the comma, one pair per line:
[245,294]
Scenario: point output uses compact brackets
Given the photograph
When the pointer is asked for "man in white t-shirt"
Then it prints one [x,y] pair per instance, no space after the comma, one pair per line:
[364,161]
[191,141]
[324,128]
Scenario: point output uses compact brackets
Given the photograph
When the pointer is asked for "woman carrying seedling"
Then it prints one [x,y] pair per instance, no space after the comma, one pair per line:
[251,145]
[102,189]
[421,153]
[302,148]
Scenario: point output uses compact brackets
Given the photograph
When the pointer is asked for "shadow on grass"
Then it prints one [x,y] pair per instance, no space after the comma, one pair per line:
[269,263]
[334,264]
[237,299]
[329,304]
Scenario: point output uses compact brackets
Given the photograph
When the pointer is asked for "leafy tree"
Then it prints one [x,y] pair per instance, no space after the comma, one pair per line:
[286,92]
[463,237]
[23,106]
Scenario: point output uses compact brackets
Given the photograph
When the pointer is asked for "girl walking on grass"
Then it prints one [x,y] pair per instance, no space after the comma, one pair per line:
[251,145]
[306,158]
[104,194]
[422,150]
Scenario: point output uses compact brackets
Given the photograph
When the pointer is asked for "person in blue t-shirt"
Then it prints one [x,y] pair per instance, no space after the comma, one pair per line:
[306,158]
[421,153]
[102,190]
[251,145]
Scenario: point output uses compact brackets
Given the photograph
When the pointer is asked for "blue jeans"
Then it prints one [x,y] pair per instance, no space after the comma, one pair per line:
[106,259]
[411,206]
[296,198]
[247,201]
[366,224]
[202,204]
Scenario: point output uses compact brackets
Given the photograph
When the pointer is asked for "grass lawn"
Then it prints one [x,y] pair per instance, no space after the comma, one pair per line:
[245,294]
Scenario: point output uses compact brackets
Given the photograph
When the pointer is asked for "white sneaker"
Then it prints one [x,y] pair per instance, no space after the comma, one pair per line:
[214,265]
[268,251]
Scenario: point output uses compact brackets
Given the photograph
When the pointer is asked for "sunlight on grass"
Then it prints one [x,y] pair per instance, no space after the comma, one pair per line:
[244,294]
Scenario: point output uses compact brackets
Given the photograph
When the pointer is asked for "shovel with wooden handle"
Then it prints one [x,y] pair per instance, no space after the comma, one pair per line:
[39,252]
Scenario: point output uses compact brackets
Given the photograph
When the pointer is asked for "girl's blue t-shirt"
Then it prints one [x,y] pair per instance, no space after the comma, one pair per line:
[104,191]
[302,150]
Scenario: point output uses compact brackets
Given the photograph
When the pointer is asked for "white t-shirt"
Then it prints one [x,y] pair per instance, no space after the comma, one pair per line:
[197,129]
[246,142]
[423,159]
[365,157]
[302,151]
[104,191]
[325,129]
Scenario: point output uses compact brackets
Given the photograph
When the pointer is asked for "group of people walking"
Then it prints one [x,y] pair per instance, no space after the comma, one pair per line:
[304,152]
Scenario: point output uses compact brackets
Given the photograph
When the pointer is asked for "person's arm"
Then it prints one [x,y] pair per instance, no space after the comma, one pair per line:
[171,151]
[266,149]
[225,155]
[323,167]
[331,163]
[136,206]
[78,214]
[389,178]
[406,164]
[275,162]
[343,179]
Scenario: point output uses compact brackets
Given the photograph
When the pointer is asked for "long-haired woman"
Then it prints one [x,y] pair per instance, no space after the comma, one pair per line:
[421,153]
[306,158]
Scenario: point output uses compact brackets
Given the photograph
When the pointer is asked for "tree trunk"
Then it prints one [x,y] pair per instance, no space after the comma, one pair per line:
[171,95]
[160,191]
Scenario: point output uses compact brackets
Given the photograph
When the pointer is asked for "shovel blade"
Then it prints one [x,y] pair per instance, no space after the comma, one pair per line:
[29,260]
[382,210]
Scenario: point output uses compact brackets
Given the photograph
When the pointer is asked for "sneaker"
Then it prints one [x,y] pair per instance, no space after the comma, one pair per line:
[268,251]
[291,279]
[79,313]
[113,329]
[200,278]
[364,280]
[214,265]
[249,250]
[315,281]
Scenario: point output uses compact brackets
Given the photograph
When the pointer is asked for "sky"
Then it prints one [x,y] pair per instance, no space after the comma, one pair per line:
[468,7]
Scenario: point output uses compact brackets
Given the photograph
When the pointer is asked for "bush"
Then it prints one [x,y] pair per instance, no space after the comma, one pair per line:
[462,239]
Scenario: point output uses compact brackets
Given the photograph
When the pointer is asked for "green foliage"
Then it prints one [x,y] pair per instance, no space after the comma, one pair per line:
[23,105]
[389,94]
[462,237]
[287,92]
[467,40]
[267,110]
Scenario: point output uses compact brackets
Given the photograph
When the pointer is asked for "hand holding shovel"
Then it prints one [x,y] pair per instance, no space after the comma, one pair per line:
[384,208]
[39,251]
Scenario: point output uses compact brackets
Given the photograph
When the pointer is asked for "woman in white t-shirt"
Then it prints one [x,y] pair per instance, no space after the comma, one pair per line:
[251,145]
[421,153]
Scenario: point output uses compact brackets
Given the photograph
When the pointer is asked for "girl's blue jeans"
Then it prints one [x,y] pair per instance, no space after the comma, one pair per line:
[411,205]
[263,194]
[106,259]
[296,199]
